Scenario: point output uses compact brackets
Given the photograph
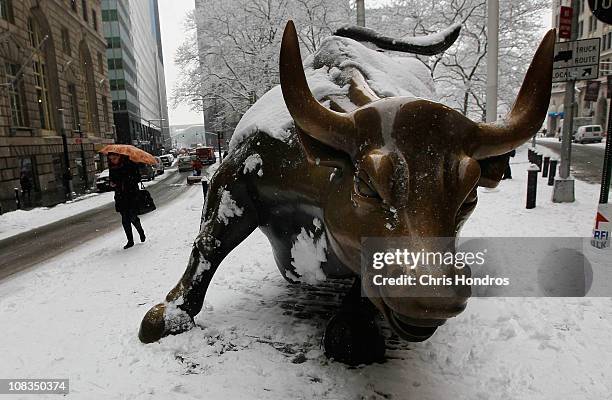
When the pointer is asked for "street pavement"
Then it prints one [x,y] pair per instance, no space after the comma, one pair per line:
[27,249]
[587,159]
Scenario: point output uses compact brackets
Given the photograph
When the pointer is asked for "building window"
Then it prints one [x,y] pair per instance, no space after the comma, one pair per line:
[41,83]
[66,47]
[74,106]
[94,20]
[580,28]
[85,12]
[109,15]
[115,63]
[119,105]
[6,11]
[16,95]
[100,63]
[89,94]
[73,5]
[113,42]
[117,84]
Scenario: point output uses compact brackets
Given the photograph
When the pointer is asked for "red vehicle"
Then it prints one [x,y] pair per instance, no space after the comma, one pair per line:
[206,155]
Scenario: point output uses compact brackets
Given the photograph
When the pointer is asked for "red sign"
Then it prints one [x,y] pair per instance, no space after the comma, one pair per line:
[565,22]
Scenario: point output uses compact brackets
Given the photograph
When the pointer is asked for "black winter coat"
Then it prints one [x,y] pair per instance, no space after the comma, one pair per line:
[126,178]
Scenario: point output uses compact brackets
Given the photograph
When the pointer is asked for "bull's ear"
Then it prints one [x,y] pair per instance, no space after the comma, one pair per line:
[492,170]
[318,153]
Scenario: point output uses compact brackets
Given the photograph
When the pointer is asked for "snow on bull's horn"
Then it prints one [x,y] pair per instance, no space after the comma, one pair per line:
[424,45]
[329,127]
[528,111]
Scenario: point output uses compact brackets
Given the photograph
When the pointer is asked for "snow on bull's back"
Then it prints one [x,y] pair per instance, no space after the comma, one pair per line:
[387,74]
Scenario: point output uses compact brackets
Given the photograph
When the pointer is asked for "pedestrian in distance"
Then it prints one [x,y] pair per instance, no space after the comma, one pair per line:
[508,170]
[26,186]
[124,179]
[197,166]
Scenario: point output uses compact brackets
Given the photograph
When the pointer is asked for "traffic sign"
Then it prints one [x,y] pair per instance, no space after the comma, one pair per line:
[602,9]
[565,22]
[601,231]
[577,60]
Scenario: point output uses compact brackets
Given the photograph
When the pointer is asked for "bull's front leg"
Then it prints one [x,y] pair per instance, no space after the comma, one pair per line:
[229,217]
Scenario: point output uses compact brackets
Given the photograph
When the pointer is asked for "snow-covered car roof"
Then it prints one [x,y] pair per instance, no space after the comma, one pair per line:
[103,174]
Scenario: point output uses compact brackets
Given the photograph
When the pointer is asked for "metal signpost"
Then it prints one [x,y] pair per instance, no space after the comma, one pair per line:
[573,61]
[602,9]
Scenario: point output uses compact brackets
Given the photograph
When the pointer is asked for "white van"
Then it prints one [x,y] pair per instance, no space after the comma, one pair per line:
[588,133]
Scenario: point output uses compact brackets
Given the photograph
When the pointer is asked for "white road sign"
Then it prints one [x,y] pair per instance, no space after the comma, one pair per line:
[577,60]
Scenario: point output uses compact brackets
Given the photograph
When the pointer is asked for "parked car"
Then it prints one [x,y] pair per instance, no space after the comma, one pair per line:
[159,167]
[184,163]
[167,159]
[103,181]
[147,172]
[588,133]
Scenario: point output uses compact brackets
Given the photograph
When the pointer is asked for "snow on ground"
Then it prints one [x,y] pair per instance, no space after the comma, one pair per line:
[556,140]
[19,221]
[77,316]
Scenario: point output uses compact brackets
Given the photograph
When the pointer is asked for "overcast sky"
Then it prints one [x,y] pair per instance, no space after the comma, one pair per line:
[172,13]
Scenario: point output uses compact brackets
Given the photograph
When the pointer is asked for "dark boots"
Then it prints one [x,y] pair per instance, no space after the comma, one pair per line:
[127,220]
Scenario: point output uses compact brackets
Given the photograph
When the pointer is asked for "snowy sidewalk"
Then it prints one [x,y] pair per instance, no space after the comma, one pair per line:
[19,221]
[77,317]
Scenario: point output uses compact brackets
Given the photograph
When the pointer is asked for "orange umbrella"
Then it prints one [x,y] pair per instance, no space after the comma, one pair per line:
[134,153]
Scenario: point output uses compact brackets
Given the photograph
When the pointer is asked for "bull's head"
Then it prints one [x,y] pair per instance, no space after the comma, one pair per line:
[409,167]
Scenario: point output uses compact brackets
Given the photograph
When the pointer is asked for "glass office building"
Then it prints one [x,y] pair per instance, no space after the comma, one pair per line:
[136,72]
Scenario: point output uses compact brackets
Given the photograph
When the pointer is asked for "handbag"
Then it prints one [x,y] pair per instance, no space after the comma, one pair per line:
[145,201]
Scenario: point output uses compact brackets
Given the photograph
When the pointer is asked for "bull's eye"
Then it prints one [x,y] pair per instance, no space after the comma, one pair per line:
[364,187]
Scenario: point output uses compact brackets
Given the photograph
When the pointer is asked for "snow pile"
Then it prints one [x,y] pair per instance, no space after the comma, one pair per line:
[307,254]
[388,75]
[228,208]
[251,163]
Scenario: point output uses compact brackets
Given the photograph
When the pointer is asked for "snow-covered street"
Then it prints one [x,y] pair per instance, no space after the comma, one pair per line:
[77,317]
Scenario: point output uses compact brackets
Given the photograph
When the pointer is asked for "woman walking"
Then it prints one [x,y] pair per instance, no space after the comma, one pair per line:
[124,178]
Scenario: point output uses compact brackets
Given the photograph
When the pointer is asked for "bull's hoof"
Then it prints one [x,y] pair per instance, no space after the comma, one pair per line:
[163,320]
[354,338]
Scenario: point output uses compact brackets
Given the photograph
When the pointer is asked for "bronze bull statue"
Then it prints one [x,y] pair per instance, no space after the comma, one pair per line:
[341,175]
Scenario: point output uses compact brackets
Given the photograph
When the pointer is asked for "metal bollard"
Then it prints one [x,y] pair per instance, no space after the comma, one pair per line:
[532,186]
[552,171]
[538,160]
[545,166]
[530,155]
[17,199]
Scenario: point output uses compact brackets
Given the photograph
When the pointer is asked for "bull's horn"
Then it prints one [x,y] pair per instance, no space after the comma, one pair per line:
[327,126]
[528,111]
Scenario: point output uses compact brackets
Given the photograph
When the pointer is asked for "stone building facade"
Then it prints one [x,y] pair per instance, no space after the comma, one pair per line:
[53,81]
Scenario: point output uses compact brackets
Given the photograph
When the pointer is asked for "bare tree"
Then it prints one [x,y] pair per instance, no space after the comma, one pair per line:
[460,72]
[230,54]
